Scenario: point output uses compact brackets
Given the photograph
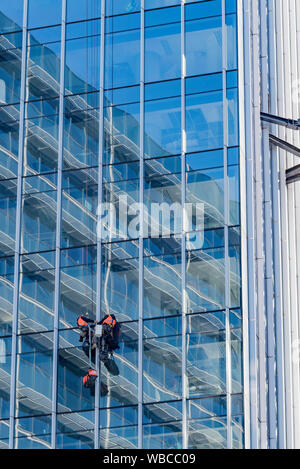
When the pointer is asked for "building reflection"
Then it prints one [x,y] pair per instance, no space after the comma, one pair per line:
[206,361]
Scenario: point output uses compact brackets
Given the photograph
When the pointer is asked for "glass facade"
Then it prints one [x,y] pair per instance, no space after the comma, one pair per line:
[131,100]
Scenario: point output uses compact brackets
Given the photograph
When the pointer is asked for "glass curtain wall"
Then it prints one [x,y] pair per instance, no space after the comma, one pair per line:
[120,102]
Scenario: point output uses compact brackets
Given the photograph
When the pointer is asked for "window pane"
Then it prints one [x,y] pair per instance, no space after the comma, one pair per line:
[122,52]
[160,65]
[162,127]
[204,46]
[44,13]
[11,16]
[206,359]
[34,374]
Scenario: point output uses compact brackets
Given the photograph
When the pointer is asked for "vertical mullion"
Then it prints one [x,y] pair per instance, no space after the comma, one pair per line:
[226,224]
[18,232]
[141,231]
[183,234]
[99,227]
[58,227]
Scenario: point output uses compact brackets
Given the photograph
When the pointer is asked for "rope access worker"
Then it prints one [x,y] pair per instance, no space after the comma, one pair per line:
[111,331]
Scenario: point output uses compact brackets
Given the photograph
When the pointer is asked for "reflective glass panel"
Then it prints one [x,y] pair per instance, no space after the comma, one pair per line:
[34,374]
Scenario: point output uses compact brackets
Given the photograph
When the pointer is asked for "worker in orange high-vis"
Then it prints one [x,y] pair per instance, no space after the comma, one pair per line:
[83,323]
[111,331]
[90,378]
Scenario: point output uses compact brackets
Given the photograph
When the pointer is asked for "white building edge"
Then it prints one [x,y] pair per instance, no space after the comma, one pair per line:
[269,77]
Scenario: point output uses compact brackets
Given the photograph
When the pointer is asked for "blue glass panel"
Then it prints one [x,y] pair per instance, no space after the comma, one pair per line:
[204,83]
[208,433]
[162,127]
[204,46]
[206,355]
[232,79]
[162,52]
[231,6]
[207,407]
[7,216]
[34,374]
[36,293]
[83,9]
[118,7]
[119,438]
[162,285]
[120,280]
[163,436]
[75,431]
[82,73]
[5,364]
[81,132]
[204,121]
[11,16]
[231,42]
[33,433]
[122,136]
[162,380]
[44,13]
[164,89]
[10,68]
[203,9]
[9,137]
[162,16]
[122,52]
[233,115]
[160,3]
[4,434]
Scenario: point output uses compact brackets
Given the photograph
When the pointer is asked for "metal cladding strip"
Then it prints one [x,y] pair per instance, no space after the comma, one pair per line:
[183,236]
[259,232]
[296,97]
[280,371]
[288,59]
[141,234]
[268,253]
[226,232]
[243,211]
[250,214]
[18,234]
[58,229]
[99,226]
[293,108]
[284,228]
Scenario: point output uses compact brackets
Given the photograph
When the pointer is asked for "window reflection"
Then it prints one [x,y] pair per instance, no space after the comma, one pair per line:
[36,306]
[34,374]
[122,51]
[162,43]
[82,71]
[206,354]
[33,433]
[6,294]
[78,285]
[10,72]
[5,364]
[120,280]
[162,281]
[75,431]
[9,138]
